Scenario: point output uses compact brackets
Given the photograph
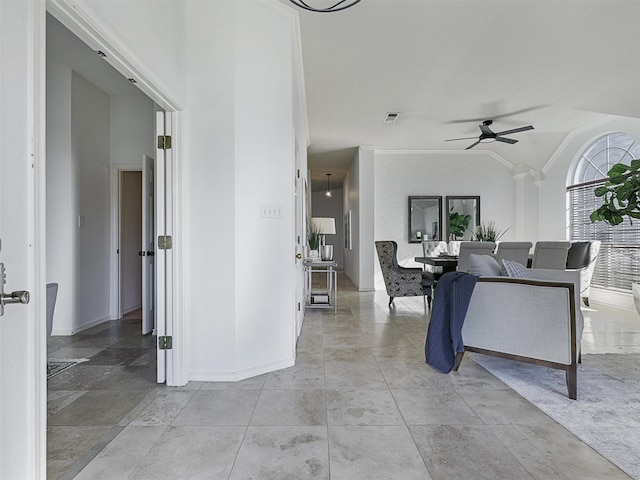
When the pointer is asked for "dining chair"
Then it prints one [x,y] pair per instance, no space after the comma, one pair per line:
[551,255]
[432,248]
[477,248]
[514,251]
[402,281]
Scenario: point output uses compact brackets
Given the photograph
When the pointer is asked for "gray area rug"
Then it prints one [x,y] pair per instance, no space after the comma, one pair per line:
[606,414]
[59,365]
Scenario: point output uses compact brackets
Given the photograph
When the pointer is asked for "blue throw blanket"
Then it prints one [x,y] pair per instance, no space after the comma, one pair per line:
[450,304]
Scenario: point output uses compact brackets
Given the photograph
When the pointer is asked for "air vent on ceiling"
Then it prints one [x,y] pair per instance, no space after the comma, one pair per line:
[391,117]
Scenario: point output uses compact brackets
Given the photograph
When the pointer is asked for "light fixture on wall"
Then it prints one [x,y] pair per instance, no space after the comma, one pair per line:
[328,193]
[325,6]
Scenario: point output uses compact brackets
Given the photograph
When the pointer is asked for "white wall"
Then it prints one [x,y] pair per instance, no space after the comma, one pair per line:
[399,175]
[62,191]
[240,155]
[131,241]
[331,208]
[90,150]
[155,32]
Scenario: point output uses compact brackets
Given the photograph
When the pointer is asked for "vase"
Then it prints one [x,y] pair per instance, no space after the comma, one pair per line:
[635,289]
[314,254]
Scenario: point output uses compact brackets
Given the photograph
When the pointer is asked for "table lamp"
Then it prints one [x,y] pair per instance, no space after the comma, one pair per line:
[327,226]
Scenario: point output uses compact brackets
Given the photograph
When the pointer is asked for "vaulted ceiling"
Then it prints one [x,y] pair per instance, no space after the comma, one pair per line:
[446,66]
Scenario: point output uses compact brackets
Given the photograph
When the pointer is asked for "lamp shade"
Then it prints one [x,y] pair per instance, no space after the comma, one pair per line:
[326,225]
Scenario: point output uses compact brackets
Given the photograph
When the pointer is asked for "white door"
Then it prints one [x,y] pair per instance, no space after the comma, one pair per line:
[164,246]
[148,245]
[299,244]
[22,171]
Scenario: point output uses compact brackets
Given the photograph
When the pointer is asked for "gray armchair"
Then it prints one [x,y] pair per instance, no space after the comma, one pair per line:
[402,281]
[582,256]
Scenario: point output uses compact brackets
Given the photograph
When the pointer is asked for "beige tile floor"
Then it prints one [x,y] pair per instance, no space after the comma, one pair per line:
[359,404]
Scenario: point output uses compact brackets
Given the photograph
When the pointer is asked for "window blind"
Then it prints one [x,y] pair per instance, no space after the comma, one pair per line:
[618,262]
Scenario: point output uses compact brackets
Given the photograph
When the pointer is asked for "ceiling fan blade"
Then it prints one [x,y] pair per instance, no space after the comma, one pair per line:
[506,140]
[516,130]
[465,138]
[472,145]
[486,130]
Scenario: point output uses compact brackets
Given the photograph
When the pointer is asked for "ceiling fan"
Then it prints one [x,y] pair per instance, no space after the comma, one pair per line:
[489,135]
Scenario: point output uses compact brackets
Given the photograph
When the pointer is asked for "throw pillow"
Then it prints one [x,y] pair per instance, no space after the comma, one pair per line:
[514,269]
[483,266]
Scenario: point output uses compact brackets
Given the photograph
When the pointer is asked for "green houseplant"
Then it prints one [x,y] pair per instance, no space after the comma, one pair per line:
[488,232]
[620,194]
[458,224]
[314,234]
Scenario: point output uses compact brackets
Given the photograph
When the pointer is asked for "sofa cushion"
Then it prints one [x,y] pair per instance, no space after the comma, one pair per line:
[514,269]
[483,266]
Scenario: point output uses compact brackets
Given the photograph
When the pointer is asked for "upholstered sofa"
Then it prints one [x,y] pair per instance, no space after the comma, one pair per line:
[535,320]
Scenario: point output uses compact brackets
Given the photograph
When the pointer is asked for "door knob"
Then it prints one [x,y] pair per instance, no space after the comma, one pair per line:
[19,296]
[141,253]
[149,254]
[298,256]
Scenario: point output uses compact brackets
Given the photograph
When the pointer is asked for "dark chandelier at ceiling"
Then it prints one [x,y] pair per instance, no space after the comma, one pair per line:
[335,7]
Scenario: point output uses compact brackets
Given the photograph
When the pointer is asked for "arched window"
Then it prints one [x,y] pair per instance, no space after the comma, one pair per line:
[619,258]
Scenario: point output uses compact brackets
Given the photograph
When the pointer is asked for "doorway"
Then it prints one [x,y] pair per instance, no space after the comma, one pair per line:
[130,229]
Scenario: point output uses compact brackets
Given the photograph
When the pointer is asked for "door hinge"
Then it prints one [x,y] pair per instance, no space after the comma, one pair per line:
[299,306]
[164,242]
[298,173]
[165,343]
[164,142]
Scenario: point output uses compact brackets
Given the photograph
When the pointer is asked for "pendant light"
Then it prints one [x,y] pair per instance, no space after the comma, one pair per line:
[328,193]
[333,5]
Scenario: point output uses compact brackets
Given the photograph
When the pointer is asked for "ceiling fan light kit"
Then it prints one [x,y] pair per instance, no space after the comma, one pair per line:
[487,135]
[329,6]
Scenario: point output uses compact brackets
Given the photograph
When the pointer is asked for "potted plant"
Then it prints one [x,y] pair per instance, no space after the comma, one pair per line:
[488,232]
[314,235]
[621,199]
[458,224]
[620,194]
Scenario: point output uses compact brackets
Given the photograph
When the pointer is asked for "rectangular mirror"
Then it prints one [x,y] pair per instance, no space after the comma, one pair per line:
[424,218]
[463,216]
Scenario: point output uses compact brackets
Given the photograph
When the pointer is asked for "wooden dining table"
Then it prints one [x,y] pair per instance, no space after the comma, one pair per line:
[440,264]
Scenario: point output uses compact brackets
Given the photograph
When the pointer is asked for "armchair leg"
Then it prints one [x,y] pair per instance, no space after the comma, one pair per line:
[572,382]
[390,300]
[459,357]
[429,301]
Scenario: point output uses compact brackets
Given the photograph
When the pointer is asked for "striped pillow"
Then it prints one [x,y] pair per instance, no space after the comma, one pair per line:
[514,269]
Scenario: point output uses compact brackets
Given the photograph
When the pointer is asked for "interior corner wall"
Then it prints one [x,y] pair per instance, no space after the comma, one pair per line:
[62,192]
[399,175]
[332,208]
[364,227]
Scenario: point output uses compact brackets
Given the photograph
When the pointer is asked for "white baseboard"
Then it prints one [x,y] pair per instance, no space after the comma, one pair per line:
[131,309]
[84,327]
[612,298]
[241,375]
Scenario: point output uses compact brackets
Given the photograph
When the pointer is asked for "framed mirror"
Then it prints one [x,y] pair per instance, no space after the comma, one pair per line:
[463,216]
[424,218]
